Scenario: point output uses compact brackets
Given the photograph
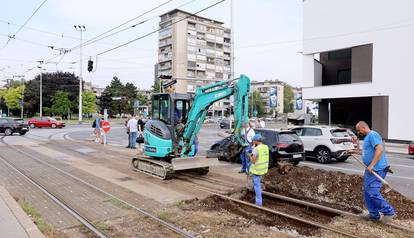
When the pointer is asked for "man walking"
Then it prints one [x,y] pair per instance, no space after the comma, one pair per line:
[133,130]
[248,134]
[373,156]
[127,130]
[97,128]
[259,166]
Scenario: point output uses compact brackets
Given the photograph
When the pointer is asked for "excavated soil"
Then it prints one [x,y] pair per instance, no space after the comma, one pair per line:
[330,188]
[215,203]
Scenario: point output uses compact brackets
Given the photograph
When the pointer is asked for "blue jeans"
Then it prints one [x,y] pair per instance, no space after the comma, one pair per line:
[257,189]
[133,139]
[374,201]
[245,160]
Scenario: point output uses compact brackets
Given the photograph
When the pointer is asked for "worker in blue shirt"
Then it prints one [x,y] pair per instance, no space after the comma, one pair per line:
[373,156]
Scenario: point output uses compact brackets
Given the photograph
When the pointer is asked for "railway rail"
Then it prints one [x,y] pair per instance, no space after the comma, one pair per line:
[75,213]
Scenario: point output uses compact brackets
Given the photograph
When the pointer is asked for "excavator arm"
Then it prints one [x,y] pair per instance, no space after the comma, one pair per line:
[205,97]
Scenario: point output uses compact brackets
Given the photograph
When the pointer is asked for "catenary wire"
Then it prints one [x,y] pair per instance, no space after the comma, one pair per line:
[24,24]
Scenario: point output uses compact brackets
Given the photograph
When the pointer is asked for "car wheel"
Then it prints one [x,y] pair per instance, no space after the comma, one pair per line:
[342,158]
[295,163]
[8,132]
[22,133]
[53,126]
[32,126]
[323,155]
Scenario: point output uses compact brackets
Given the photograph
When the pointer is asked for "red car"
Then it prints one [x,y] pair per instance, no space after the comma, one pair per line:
[411,148]
[45,122]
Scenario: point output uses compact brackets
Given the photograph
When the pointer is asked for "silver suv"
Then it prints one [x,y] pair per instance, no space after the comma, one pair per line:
[324,142]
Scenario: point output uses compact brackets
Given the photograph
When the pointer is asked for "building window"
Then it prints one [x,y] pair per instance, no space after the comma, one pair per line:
[165,32]
[219,75]
[191,64]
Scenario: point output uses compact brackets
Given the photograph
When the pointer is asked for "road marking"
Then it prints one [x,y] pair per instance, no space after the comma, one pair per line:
[352,170]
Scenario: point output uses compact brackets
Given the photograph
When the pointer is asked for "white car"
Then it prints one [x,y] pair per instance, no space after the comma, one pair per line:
[324,142]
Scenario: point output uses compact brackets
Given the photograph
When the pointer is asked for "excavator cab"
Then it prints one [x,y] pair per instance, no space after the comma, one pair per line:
[169,115]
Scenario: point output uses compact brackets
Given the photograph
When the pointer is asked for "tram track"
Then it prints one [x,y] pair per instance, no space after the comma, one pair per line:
[77,214]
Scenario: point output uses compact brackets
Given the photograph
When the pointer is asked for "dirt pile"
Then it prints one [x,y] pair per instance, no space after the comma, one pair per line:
[331,188]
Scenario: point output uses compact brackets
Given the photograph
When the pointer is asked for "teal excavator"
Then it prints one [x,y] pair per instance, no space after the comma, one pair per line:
[177,118]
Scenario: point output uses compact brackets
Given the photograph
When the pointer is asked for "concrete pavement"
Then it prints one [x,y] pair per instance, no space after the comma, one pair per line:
[13,220]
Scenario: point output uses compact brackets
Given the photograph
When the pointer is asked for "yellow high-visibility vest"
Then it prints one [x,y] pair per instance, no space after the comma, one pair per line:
[262,161]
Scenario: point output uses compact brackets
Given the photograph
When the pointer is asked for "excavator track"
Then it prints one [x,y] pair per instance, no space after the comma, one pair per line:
[156,168]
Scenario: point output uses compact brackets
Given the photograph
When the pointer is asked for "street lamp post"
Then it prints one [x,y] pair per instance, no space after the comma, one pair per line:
[81,29]
[41,89]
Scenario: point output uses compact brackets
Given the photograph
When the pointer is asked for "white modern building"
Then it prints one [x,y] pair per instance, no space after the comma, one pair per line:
[358,58]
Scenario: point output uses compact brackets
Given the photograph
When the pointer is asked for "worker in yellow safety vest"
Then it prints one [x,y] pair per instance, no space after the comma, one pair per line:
[259,165]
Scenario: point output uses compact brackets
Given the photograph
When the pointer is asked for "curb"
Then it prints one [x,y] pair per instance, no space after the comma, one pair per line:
[25,222]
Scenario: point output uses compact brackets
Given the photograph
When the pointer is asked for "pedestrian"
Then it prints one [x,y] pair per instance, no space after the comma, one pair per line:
[374,157]
[133,129]
[259,166]
[262,123]
[127,130]
[97,128]
[195,143]
[140,138]
[248,134]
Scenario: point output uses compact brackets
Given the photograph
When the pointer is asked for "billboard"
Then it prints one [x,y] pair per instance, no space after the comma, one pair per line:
[273,97]
[298,101]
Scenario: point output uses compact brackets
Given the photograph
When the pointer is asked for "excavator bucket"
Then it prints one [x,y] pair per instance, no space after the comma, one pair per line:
[185,163]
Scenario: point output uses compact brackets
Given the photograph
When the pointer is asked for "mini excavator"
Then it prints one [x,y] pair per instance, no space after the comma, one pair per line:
[177,118]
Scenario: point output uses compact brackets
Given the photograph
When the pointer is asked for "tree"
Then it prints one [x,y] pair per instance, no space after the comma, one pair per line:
[51,83]
[258,104]
[89,102]
[156,87]
[61,105]
[288,98]
[13,96]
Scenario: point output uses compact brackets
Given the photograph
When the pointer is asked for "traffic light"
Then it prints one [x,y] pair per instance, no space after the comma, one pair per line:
[90,65]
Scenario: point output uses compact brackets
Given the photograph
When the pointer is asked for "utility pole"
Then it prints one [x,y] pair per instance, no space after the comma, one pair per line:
[41,88]
[81,29]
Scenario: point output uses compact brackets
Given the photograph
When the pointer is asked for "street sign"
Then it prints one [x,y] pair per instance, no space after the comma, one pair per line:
[136,103]
[105,126]
[20,103]
[170,83]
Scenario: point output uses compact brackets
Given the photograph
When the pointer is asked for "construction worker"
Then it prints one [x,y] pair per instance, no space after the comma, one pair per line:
[373,156]
[259,165]
[248,134]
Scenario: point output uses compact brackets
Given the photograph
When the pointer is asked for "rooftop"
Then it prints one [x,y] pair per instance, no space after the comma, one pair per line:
[189,13]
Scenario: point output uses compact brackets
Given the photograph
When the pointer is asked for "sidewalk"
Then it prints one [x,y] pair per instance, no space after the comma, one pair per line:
[13,220]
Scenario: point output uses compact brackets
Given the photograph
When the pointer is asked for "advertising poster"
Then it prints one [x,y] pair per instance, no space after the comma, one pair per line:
[273,97]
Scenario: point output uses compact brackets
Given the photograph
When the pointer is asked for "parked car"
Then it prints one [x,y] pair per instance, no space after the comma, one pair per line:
[8,126]
[283,146]
[325,143]
[45,122]
[225,123]
[411,148]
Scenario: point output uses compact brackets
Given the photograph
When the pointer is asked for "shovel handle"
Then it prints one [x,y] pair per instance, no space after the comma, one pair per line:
[373,172]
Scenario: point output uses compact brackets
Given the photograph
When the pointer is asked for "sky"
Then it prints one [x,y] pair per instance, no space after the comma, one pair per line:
[267,37]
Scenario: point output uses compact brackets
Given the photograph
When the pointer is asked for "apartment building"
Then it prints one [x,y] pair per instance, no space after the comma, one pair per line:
[271,93]
[196,51]
[357,62]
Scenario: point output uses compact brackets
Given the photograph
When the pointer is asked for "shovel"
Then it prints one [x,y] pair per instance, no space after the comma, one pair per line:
[388,187]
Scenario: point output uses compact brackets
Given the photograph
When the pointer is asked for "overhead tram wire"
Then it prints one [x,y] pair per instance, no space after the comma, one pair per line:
[159,29]
[130,20]
[78,46]
[24,24]
[96,39]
